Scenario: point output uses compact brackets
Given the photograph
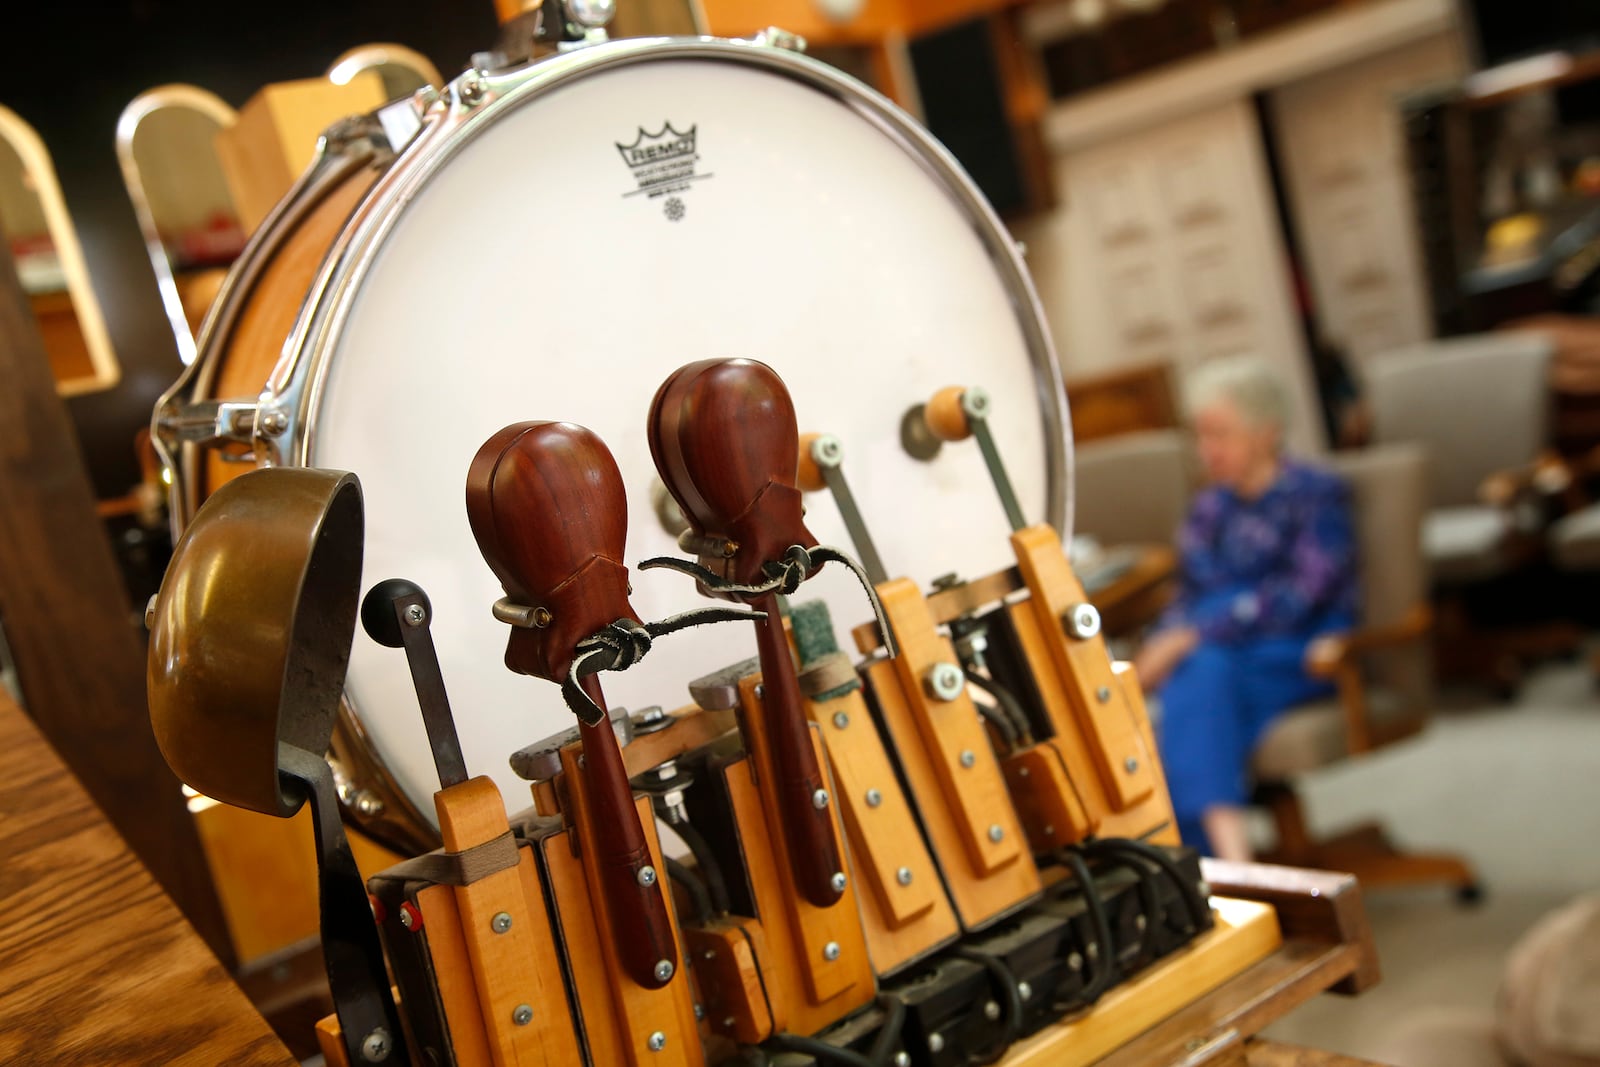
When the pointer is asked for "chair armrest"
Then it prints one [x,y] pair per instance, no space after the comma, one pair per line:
[1549,477]
[1329,654]
[1337,657]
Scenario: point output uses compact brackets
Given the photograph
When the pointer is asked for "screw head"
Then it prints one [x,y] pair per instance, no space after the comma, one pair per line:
[902,1059]
[664,970]
[1140,922]
[1075,961]
[975,402]
[840,720]
[944,681]
[1024,990]
[903,876]
[274,422]
[1103,694]
[830,951]
[1130,765]
[542,617]
[827,451]
[658,1041]
[367,803]
[376,1046]
[996,834]
[968,759]
[991,1011]
[1082,621]
[699,1011]
[874,798]
[838,881]
[415,615]
[646,876]
[501,922]
[935,1043]
[522,1015]
[819,799]
[410,917]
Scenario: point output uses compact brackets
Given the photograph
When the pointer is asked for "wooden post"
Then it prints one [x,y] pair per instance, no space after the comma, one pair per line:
[68,622]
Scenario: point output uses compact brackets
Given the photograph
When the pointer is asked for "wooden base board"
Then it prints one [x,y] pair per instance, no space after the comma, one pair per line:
[1246,933]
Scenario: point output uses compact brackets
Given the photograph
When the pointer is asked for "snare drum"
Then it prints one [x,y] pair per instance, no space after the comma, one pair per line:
[550,242]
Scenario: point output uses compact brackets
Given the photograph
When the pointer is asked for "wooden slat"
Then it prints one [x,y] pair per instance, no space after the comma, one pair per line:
[68,622]
[96,964]
[1275,1054]
[1321,905]
[1298,971]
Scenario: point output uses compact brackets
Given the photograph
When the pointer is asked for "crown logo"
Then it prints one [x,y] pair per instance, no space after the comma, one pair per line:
[667,144]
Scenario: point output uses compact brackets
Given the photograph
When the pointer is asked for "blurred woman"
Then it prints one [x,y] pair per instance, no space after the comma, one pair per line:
[1268,565]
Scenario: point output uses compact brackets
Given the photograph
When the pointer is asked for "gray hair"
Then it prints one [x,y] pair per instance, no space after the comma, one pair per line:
[1253,387]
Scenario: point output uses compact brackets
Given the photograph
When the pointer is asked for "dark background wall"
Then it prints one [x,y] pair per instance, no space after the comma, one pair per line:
[68,68]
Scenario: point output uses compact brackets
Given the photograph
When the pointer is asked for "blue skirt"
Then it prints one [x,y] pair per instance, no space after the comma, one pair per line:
[1216,707]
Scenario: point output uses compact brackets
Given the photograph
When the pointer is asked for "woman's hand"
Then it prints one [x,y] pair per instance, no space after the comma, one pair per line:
[1161,655]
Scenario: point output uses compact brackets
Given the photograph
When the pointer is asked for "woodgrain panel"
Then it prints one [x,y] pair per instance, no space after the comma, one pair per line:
[96,964]
[70,627]
[905,915]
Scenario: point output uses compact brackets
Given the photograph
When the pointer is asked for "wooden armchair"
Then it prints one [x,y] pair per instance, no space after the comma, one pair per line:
[1382,673]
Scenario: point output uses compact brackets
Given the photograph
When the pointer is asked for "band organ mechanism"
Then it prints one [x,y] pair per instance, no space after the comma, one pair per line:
[920,856]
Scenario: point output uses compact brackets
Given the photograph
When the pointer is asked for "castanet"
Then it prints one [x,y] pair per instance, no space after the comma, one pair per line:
[722,434]
[547,506]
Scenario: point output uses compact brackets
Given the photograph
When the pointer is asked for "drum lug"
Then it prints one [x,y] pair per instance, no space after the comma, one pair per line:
[207,422]
[777,37]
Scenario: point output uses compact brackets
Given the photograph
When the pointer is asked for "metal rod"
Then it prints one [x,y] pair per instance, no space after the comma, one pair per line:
[997,472]
[860,536]
[415,617]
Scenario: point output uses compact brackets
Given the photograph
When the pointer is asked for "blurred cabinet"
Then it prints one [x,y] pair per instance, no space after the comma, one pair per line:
[1171,253]
[1341,142]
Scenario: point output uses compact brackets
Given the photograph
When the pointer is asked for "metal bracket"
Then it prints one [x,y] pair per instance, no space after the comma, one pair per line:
[205,422]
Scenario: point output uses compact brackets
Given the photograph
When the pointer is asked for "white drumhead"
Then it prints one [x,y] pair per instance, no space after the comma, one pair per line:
[530,278]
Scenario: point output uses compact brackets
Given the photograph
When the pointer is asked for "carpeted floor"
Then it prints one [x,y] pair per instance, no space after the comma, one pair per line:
[1516,789]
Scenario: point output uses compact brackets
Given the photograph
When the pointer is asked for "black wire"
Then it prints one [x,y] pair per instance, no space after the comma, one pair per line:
[696,887]
[1013,1004]
[1144,877]
[894,1019]
[1008,715]
[710,870]
[1105,971]
[820,1051]
[1195,904]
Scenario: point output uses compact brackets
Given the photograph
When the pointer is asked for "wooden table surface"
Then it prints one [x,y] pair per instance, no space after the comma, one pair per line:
[97,966]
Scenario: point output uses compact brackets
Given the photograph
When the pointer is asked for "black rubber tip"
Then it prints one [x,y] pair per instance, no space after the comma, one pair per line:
[378,616]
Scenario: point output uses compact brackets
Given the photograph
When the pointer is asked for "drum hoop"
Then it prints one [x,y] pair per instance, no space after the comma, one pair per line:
[297,385]
[341,150]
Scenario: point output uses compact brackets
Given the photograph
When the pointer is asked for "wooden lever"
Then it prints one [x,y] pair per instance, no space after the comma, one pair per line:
[723,436]
[546,504]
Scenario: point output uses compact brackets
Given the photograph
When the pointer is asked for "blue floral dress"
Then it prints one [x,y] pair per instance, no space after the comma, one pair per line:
[1261,579]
